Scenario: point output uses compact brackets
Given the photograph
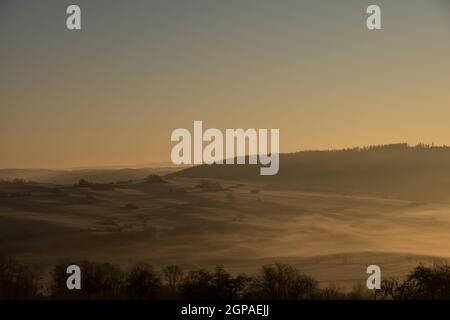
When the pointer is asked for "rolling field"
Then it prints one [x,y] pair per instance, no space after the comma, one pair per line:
[194,223]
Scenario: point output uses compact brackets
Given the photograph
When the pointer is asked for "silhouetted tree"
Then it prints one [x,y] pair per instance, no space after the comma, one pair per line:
[360,292]
[329,293]
[422,283]
[278,281]
[98,280]
[142,282]
[201,284]
[283,282]
[225,286]
[173,275]
[197,285]
[17,280]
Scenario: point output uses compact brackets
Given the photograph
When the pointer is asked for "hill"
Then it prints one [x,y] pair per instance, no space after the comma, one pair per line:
[419,173]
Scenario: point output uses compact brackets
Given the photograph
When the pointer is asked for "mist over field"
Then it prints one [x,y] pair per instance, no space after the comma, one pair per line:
[331,213]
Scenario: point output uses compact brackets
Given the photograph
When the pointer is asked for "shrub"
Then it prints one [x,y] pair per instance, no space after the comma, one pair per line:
[209,186]
[154,178]
[82,183]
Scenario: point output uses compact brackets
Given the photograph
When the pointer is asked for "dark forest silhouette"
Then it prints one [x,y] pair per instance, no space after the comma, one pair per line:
[277,281]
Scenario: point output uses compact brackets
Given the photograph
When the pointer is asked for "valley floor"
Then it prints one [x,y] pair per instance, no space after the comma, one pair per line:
[242,226]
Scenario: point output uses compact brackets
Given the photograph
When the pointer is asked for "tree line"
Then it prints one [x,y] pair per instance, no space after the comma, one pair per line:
[19,280]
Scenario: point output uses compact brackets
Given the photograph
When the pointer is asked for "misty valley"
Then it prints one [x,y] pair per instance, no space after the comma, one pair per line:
[206,216]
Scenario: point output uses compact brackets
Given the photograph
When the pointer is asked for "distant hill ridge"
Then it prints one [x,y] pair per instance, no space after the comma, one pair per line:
[420,173]
[73,176]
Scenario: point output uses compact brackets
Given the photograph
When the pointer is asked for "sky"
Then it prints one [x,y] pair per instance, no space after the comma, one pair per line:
[112,93]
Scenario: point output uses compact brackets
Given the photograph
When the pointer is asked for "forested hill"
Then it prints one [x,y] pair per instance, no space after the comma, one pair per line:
[419,172]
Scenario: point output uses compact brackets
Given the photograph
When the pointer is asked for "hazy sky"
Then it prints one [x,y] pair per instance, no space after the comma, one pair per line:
[112,93]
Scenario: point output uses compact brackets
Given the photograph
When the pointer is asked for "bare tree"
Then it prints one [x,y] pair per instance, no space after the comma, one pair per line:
[142,282]
[283,282]
[173,276]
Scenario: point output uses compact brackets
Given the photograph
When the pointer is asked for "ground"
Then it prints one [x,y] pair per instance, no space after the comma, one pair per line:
[242,226]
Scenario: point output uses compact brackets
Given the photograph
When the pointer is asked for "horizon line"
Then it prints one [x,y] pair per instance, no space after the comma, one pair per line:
[168,164]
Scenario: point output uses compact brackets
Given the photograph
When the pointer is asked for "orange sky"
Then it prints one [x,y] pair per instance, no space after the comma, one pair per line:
[112,93]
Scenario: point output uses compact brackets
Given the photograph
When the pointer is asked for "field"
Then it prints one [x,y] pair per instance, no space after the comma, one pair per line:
[201,223]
